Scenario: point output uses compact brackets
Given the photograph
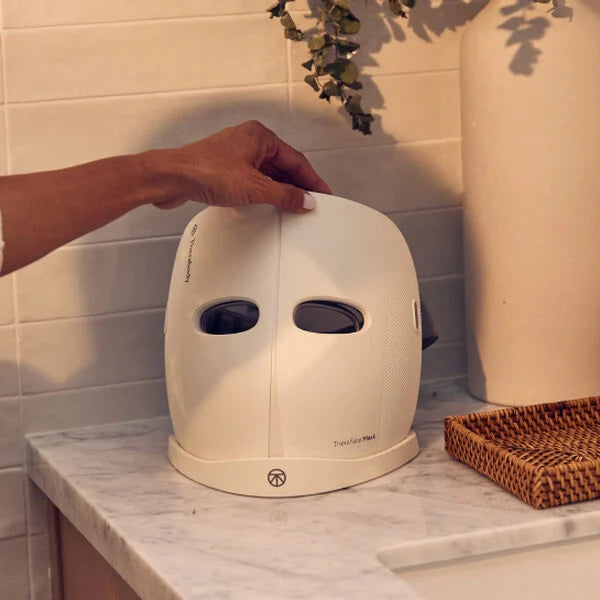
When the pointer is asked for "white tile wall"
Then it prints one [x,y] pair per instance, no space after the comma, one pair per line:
[60,12]
[84,352]
[9,380]
[7,315]
[11,433]
[435,240]
[51,135]
[39,567]
[430,104]
[37,508]
[3,158]
[129,58]
[395,177]
[74,408]
[445,300]
[444,360]
[14,573]
[427,42]
[81,330]
[12,503]
[96,279]
[144,222]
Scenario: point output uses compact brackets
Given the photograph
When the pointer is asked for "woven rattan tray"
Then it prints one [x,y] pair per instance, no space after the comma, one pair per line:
[547,454]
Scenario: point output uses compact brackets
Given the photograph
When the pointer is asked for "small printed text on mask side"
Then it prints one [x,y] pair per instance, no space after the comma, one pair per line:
[354,440]
[188,268]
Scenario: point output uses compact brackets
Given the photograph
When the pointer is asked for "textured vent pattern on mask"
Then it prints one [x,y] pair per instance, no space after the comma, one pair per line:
[402,363]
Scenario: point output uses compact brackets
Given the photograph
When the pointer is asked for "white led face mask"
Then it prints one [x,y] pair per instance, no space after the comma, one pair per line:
[292,349]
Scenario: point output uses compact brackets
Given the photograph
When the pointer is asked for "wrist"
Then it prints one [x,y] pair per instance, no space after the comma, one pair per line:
[157,176]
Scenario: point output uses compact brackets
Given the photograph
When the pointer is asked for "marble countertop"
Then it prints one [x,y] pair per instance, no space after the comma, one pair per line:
[171,538]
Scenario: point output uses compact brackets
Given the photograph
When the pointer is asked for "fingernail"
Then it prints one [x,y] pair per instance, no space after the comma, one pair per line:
[309,201]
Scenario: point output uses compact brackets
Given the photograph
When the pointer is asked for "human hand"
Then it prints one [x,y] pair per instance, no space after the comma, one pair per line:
[246,164]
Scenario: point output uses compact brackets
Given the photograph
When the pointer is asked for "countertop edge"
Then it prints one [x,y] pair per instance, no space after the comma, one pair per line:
[96,527]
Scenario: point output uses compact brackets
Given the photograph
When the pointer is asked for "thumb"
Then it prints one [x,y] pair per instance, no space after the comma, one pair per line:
[289,197]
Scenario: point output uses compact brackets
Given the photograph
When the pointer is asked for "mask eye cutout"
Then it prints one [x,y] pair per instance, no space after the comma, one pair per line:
[225,318]
[325,316]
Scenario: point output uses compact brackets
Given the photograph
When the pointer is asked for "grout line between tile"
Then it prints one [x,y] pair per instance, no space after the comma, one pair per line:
[17,335]
[346,148]
[459,377]
[98,316]
[289,82]
[122,242]
[418,211]
[146,21]
[8,167]
[95,387]
[456,343]
[30,574]
[13,537]
[5,102]
[288,66]
[175,92]
[12,468]
[149,93]
[377,76]
[446,277]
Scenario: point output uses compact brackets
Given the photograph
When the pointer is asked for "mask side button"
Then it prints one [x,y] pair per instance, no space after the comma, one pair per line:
[416,318]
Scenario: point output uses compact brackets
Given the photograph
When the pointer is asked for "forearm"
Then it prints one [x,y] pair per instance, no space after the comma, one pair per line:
[42,211]
[240,165]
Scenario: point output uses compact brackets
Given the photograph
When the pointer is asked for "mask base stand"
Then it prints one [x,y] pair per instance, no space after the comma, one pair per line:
[284,476]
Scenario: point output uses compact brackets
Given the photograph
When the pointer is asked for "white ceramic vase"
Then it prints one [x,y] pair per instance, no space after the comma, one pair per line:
[530,83]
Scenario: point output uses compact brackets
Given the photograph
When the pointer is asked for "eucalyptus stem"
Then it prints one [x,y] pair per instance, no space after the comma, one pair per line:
[338,77]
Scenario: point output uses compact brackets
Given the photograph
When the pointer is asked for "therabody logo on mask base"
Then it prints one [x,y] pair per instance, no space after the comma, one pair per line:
[276,477]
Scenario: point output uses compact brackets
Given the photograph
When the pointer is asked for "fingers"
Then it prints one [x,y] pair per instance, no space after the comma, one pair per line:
[276,174]
[288,197]
[284,163]
[296,166]
[171,203]
[243,165]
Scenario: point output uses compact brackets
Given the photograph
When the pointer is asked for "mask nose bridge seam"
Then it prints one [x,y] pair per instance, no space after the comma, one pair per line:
[275,445]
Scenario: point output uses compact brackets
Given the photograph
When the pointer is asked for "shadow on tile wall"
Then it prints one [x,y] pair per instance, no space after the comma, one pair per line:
[430,20]
[103,344]
[97,355]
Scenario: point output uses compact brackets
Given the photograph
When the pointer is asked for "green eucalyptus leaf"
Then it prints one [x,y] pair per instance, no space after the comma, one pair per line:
[322,16]
[312,81]
[287,21]
[346,46]
[397,8]
[330,89]
[349,25]
[361,120]
[293,34]
[343,70]
[336,13]
[357,85]
[277,9]
[317,42]
[362,123]
[319,60]
[334,19]
[352,105]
